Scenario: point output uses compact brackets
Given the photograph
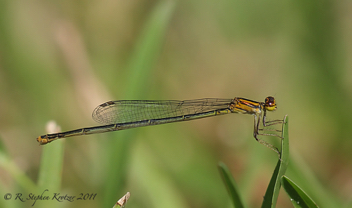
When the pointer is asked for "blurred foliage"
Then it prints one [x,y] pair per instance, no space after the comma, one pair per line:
[60,59]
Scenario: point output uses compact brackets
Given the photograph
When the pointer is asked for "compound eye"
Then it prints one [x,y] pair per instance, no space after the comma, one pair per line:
[270,103]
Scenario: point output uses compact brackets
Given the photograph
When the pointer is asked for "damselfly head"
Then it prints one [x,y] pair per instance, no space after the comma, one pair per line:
[270,103]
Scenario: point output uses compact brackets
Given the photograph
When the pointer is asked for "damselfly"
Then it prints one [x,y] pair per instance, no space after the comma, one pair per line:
[126,114]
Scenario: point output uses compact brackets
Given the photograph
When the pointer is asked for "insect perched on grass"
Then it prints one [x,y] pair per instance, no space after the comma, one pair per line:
[126,114]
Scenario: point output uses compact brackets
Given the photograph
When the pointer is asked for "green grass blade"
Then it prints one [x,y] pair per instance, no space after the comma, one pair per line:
[50,173]
[21,181]
[308,180]
[230,185]
[18,175]
[298,197]
[273,189]
[147,51]
[51,167]
[7,164]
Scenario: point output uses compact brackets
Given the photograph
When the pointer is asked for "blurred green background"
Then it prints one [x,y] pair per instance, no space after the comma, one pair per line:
[61,59]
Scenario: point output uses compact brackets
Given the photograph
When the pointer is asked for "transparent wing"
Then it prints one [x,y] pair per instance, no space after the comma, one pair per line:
[123,111]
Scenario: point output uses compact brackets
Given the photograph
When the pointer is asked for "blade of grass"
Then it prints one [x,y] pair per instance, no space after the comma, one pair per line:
[51,164]
[122,202]
[140,69]
[230,184]
[148,49]
[15,172]
[51,167]
[302,172]
[298,197]
[273,189]
[22,181]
